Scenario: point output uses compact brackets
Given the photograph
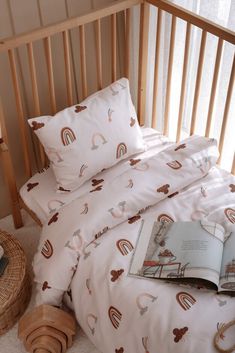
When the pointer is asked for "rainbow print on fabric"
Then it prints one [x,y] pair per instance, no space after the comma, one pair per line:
[124,246]
[121,150]
[67,136]
[230,214]
[140,303]
[185,300]
[115,316]
[95,140]
[164,218]
[47,249]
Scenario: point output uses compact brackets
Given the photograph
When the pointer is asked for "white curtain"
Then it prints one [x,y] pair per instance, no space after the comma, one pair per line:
[223,13]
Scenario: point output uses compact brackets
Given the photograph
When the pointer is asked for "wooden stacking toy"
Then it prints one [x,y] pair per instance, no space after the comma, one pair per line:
[47,329]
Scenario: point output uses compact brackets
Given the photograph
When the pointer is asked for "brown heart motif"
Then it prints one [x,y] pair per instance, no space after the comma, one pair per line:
[164,188]
[132,122]
[179,332]
[62,189]
[36,126]
[80,108]
[183,145]
[232,186]
[134,219]
[45,286]
[174,194]
[134,161]
[54,218]
[97,181]
[30,186]
[120,350]
[98,188]
[116,274]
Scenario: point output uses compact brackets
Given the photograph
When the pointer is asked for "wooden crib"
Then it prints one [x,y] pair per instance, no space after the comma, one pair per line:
[119,8]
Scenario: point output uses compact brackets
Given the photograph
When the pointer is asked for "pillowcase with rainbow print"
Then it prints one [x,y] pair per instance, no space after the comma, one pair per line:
[93,135]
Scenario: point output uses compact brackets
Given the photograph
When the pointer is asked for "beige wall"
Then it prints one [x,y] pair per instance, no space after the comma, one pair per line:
[24,15]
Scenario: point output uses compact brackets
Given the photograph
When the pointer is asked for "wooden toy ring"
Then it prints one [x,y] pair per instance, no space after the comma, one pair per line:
[217,338]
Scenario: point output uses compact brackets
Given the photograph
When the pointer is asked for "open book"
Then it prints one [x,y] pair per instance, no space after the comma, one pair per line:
[185,250]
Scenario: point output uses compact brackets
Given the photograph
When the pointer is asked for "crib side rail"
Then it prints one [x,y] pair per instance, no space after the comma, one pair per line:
[206,26]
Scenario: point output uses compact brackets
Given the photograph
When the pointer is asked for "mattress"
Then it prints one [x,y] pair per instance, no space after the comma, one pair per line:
[40,193]
[86,248]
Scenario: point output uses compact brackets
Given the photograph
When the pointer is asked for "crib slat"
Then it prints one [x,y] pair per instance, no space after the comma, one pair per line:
[114,46]
[214,86]
[127,42]
[226,110]
[20,112]
[47,45]
[183,82]
[10,175]
[156,68]
[233,166]
[98,53]
[198,81]
[68,74]
[36,102]
[169,75]
[143,58]
[83,60]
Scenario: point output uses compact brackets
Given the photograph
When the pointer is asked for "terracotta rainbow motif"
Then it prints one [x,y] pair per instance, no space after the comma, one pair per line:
[124,246]
[174,164]
[115,316]
[67,136]
[143,308]
[91,322]
[95,140]
[230,214]
[185,300]
[164,218]
[47,249]
[121,150]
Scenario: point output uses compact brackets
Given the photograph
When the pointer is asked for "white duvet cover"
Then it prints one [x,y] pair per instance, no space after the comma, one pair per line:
[98,232]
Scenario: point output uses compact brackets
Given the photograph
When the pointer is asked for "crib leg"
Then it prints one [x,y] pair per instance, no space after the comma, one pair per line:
[47,329]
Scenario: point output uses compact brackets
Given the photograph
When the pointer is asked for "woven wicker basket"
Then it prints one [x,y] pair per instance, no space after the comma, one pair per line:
[15,284]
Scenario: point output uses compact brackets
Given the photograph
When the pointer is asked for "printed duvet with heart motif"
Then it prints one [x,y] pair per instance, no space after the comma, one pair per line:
[86,248]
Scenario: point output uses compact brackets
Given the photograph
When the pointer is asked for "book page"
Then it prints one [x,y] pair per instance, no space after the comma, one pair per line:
[179,250]
[227,276]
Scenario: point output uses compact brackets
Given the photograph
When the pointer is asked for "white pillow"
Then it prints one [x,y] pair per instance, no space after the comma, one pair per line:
[84,139]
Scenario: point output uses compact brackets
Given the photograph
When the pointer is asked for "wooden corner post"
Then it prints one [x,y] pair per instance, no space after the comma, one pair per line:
[143,58]
[9,171]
